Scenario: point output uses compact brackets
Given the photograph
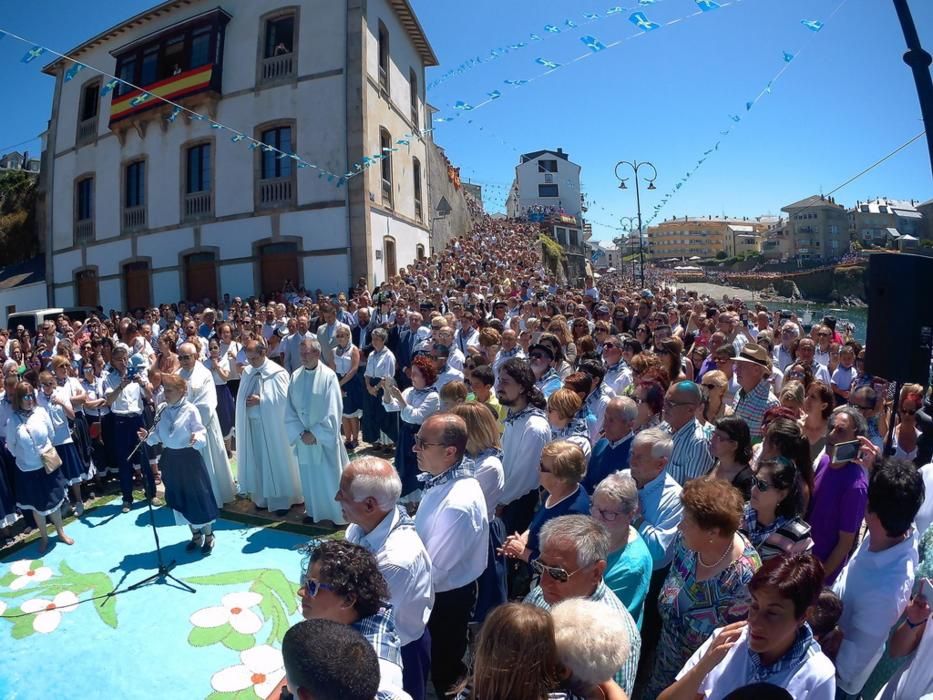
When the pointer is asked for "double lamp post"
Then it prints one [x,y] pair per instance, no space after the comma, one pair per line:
[636,166]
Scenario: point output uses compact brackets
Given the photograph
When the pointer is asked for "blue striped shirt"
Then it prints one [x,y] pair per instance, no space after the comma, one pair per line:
[691,458]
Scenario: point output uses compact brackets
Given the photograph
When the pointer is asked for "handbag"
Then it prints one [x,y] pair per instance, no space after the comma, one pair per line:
[50,460]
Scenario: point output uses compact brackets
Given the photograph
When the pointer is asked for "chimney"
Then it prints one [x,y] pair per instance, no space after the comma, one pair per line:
[560,151]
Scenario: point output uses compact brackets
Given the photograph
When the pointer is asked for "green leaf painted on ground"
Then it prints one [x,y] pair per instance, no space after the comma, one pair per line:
[8,579]
[22,626]
[205,636]
[272,611]
[283,589]
[239,642]
[227,578]
[246,694]
[106,608]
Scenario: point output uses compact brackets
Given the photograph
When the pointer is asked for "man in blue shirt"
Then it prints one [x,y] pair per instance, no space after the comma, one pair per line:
[611,453]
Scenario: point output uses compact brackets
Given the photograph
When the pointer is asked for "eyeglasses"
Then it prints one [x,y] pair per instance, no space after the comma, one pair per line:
[29,397]
[185,357]
[555,572]
[609,516]
[312,586]
[421,444]
[762,486]
[711,387]
[610,345]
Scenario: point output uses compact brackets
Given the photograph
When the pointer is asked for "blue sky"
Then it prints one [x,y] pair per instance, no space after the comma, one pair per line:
[845,100]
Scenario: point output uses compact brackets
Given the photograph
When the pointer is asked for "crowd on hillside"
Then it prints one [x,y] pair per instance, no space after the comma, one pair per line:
[548,491]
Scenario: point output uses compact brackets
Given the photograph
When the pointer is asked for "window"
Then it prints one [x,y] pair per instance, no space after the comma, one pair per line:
[198,171]
[547,166]
[89,100]
[201,47]
[383,57]
[385,143]
[280,36]
[84,209]
[416,174]
[150,66]
[413,85]
[391,266]
[272,165]
[172,58]
[548,191]
[419,251]
[126,71]
[135,186]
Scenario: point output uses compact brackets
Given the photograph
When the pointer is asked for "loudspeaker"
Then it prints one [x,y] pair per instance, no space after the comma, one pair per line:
[900,317]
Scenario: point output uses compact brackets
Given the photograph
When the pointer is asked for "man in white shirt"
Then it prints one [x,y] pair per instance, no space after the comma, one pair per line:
[445,373]
[369,490]
[618,375]
[508,349]
[875,585]
[291,352]
[806,352]
[453,525]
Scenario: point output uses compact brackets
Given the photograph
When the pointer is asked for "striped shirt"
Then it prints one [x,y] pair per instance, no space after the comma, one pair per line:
[691,458]
[750,406]
[625,676]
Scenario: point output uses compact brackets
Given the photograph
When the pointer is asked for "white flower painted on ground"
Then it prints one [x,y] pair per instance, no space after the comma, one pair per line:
[2,607]
[262,670]
[27,574]
[49,612]
[233,611]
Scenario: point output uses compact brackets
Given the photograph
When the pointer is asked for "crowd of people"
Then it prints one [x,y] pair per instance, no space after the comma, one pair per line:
[554,492]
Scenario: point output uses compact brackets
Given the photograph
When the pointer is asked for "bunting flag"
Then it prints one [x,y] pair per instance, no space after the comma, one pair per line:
[32,54]
[109,87]
[236,138]
[707,5]
[550,65]
[812,24]
[748,106]
[552,29]
[642,22]
[788,57]
[494,95]
[593,44]
[140,99]
[174,115]
[463,106]
[73,71]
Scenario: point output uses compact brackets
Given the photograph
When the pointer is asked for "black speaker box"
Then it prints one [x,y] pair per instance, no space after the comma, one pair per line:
[900,317]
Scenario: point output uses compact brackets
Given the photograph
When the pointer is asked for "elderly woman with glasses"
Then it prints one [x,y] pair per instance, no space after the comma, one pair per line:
[716,384]
[40,485]
[629,565]
[341,582]
[574,549]
[707,586]
[773,519]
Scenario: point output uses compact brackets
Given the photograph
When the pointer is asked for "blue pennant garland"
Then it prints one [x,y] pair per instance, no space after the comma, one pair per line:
[73,71]
[494,95]
[32,54]
[707,5]
[142,98]
[174,115]
[109,87]
[593,44]
[236,138]
[614,10]
[550,65]
[788,57]
[461,105]
[552,29]
[814,25]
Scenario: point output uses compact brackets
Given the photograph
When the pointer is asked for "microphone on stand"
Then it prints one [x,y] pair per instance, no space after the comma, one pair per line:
[155,421]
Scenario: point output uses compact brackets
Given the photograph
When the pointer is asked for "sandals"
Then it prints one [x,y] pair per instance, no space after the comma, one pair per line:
[195,542]
[208,545]
[157,476]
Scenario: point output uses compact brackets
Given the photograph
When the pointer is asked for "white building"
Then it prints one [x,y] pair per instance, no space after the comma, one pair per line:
[605,255]
[145,210]
[545,182]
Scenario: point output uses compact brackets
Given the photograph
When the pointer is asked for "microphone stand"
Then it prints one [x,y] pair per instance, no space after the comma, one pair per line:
[163,575]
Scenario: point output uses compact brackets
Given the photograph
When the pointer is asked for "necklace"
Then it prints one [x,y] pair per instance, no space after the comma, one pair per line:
[717,562]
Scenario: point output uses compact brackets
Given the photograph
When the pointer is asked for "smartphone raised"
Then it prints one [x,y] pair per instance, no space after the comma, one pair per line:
[846,451]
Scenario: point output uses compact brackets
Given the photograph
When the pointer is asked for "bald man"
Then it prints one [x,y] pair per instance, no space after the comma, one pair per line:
[691,457]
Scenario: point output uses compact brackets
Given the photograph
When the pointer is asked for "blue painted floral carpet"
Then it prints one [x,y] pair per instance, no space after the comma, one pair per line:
[221,643]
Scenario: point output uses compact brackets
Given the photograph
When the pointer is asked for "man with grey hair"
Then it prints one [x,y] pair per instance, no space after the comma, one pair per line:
[611,453]
[840,492]
[573,556]
[291,346]
[369,490]
[203,395]
[313,415]
[784,345]
[629,565]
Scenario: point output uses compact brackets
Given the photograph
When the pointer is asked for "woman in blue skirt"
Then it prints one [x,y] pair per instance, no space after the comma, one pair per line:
[414,405]
[29,434]
[347,366]
[8,514]
[219,365]
[57,403]
[187,484]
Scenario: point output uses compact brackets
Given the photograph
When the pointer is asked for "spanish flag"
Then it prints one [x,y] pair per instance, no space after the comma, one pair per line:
[177,86]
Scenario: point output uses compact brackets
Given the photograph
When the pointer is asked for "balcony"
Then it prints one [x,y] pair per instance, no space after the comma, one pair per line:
[277,69]
[84,231]
[87,130]
[419,211]
[199,205]
[134,218]
[387,192]
[276,192]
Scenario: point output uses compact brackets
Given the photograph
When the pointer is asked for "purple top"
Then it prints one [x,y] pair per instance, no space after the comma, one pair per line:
[837,505]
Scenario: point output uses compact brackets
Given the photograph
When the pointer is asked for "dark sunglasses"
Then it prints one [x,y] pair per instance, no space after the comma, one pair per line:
[710,386]
[762,486]
[185,357]
[312,587]
[555,572]
[609,345]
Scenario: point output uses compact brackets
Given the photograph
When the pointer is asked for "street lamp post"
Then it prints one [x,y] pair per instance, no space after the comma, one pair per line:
[631,222]
[919,62]
[635,166]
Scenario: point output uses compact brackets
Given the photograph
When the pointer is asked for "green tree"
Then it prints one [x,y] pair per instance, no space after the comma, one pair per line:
[18,237]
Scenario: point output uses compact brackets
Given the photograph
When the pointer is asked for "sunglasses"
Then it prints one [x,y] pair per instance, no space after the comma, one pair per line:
[762,486]
[554,572]
[185,357]
[312,586]
[711,387]
[607,346]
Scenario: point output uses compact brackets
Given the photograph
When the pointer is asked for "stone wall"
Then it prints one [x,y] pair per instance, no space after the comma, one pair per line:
[458,221]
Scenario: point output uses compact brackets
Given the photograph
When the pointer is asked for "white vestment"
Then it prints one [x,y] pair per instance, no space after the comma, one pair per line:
[315,404]
[267,467]
[203,395]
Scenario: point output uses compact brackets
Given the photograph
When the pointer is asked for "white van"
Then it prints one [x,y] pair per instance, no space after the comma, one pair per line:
[31,320]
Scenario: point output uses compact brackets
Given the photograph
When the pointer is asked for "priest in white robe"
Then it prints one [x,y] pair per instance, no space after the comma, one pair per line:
[312,423]
[268,471]
[203,395]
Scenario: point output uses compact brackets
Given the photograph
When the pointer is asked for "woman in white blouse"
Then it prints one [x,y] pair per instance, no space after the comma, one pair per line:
[414,405]
[379,427]
[29,434]
[347,366]
[775,646]
[221,370]
[56,401]
[187,484]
